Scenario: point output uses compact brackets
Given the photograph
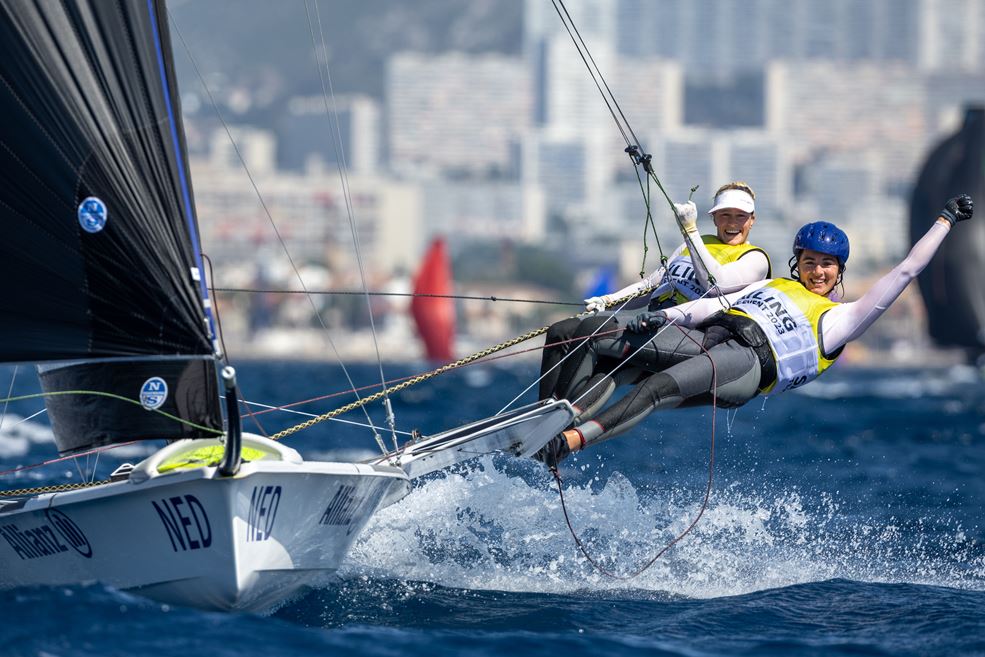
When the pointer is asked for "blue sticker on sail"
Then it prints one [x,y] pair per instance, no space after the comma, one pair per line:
[92,215]
[153,393]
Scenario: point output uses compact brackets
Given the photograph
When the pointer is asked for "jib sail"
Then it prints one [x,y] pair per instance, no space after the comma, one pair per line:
[100,250]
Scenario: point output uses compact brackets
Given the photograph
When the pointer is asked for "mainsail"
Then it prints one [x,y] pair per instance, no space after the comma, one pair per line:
[100,248]
[951,285]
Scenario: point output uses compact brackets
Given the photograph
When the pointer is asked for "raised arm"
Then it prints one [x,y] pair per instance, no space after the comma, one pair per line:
[654,280]
[732,277]
[848,321]
[692,313]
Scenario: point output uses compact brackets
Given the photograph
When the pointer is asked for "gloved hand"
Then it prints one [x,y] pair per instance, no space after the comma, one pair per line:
[555,451]
[646,322]
[595,304]
[687,216]
[959,208]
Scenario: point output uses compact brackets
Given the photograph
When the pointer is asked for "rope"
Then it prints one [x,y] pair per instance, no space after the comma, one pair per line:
[433,373]
[332,110]
[58,488]
[99,393]
[704,502]
[634,148]
[263,203]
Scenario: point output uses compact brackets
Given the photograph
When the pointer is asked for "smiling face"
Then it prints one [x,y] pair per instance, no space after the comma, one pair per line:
[818,272]
[733,225]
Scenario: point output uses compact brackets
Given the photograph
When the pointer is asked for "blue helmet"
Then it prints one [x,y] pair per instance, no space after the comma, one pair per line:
[822,237]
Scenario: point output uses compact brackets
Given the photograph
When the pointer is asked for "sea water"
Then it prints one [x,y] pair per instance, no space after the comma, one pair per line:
[847,518]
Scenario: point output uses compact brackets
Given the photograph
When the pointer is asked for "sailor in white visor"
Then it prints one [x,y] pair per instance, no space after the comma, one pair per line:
[731,262]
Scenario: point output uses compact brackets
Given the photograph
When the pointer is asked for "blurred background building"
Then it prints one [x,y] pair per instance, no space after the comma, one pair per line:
[485,127]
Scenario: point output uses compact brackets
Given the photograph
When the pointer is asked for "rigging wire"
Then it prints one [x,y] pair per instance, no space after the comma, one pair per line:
[266,211]
[344,180]
[10,391]
[222,337]
[286,408]
[704,501]
[464,297]
[634,148]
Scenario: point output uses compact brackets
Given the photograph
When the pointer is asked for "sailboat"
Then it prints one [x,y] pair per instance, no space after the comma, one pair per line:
[433,311]
[110,300]
[951,284]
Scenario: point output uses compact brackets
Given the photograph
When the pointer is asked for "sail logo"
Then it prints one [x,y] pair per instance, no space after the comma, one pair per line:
[341,509]
[47,539]
[92,215]
[70,532]
[264,503]
[32,543]
[153,393]
[186,523]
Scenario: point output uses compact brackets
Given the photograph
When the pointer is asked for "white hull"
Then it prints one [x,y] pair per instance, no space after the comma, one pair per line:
[195,538]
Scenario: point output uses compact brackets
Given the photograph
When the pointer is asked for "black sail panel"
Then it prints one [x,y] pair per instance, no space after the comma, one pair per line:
[99,248]
[138,400]
[951,285]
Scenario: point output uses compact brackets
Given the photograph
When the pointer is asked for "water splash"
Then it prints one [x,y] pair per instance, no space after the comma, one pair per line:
[483,528]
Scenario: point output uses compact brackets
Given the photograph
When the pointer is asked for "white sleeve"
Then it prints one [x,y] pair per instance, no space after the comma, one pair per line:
[654,280]
[848,321]
[692,313]
[732,277]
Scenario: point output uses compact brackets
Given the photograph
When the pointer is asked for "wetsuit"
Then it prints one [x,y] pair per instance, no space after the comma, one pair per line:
[774,335]
[732,267]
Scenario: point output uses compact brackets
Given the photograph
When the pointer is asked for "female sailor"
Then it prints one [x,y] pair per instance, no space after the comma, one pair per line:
[775,335]
[732,263]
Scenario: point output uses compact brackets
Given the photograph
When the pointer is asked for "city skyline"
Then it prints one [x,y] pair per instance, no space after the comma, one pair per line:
[489,146]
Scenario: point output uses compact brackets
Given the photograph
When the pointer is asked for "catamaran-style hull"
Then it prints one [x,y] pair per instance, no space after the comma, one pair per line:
[193,538]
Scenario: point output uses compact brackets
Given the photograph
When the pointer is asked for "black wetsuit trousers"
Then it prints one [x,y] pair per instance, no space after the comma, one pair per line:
[670,368]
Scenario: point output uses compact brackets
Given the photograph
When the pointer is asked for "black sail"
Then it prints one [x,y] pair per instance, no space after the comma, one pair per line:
[89,111]
[99,250]
[951,285]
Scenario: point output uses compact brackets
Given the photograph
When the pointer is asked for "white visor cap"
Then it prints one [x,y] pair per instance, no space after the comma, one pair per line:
[734,198]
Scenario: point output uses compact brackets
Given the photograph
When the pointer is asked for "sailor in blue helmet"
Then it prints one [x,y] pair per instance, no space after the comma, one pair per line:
[770,337]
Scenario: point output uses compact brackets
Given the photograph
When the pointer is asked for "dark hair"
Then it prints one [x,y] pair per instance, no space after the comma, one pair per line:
[794,274]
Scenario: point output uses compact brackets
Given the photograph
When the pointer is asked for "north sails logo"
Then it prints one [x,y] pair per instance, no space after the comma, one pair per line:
[92,215]
[153,393]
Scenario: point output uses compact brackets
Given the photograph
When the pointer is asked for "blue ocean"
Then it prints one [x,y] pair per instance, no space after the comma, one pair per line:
[847,518]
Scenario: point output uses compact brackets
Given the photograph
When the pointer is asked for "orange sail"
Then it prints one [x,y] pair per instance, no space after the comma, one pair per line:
[434,315]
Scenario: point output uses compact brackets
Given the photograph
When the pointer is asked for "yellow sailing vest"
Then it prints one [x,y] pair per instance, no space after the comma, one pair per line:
[790,316]
[680,269]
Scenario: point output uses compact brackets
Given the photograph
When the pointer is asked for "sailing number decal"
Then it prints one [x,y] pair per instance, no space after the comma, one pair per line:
[264,503]
[153,393]
[92,215]
[185,522]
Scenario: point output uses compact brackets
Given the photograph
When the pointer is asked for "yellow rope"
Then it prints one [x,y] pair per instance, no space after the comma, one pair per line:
[315,420]
[433,373]
[57,488]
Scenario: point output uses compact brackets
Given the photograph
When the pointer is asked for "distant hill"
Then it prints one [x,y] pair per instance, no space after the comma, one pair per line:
[265,47]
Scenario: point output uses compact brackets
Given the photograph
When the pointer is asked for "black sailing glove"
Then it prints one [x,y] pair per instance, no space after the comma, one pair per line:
[959,208]
[646,322]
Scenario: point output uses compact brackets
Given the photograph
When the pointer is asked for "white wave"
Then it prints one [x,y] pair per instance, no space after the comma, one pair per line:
[895,385]
[484,529]
[17,436]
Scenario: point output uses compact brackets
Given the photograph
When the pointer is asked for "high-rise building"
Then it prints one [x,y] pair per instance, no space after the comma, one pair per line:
[312,135]
[455,113]
[825,106]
